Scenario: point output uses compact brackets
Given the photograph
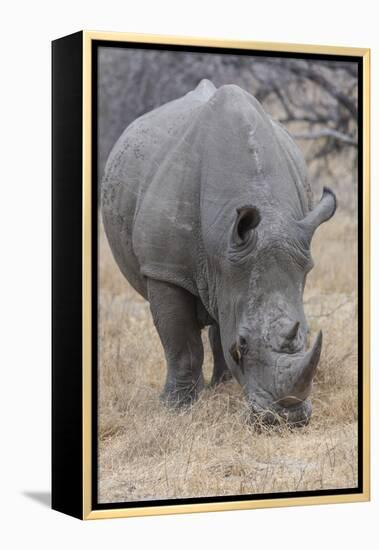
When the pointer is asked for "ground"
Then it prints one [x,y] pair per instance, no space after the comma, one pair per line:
[149,452]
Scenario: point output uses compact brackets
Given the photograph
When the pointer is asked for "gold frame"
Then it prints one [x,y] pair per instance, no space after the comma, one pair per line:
[364,53]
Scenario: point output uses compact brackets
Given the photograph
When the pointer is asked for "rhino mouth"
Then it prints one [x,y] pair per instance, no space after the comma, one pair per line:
[296,415]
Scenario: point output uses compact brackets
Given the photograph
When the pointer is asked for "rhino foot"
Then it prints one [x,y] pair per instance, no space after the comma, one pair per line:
[218,378]
[175,318]
[177,396]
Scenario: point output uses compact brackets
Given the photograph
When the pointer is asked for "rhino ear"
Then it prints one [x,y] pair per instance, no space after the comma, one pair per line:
[248,217]
[322,212]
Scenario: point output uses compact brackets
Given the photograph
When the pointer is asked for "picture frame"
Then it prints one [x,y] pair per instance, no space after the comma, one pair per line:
[75,273]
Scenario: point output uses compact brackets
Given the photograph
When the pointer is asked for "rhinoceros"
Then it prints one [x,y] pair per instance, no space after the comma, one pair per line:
[208,211]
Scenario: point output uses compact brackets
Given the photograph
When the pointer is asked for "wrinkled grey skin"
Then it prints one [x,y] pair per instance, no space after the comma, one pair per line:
[208,213]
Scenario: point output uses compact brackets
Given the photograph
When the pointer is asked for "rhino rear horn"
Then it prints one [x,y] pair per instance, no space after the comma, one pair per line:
[322,212]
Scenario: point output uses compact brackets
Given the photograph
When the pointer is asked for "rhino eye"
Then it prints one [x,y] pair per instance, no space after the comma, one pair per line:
[248,217]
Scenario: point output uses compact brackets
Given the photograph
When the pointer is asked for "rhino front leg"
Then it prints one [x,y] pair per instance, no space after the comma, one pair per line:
[221,372]
[174,314]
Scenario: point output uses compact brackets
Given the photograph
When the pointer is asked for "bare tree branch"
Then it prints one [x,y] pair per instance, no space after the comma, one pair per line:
[326,132]
[316,76]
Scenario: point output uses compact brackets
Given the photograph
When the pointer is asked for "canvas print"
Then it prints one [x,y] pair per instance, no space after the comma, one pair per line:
[227,274]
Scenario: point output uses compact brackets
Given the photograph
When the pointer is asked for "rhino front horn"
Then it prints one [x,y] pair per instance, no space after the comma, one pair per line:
[308,366]
[295,375]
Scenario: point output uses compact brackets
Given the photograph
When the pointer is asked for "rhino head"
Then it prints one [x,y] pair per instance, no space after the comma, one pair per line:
[260,308]
[257,236]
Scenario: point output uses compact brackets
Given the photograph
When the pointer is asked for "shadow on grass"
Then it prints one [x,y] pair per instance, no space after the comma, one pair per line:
[41,497]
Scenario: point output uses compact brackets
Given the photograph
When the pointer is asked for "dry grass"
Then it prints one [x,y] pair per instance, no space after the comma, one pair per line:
[149,452]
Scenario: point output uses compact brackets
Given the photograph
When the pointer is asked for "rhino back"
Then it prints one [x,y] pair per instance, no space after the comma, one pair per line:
[149,193]
[296,164]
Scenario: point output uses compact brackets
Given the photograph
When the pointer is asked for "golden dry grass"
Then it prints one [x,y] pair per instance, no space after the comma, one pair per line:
[149,452]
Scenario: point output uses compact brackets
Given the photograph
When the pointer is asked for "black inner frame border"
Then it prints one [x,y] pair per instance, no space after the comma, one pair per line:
[96,44]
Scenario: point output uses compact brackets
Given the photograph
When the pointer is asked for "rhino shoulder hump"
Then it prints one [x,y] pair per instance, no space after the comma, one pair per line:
[204,90]
[233,100]
[229,94]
